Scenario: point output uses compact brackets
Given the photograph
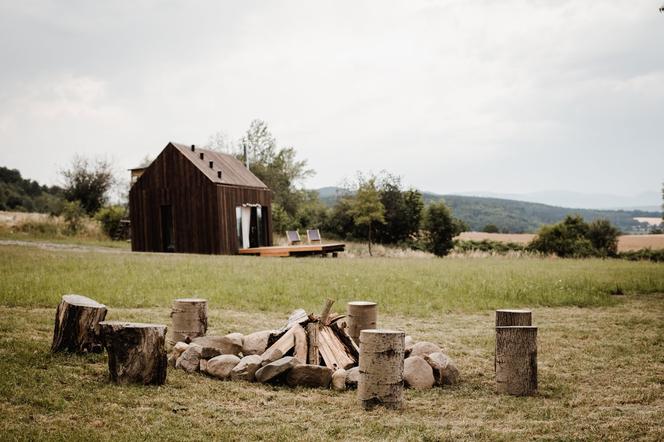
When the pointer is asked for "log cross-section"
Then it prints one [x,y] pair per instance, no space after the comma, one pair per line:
[508,318]
[77,325]
[189,319]
[361,315]
[381,368]
[136,352]
[516,360]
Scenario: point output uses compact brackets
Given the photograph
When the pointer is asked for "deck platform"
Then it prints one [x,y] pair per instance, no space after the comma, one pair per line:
[295,250]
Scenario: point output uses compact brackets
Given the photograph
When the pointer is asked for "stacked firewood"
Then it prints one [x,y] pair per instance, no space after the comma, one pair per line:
[309,350]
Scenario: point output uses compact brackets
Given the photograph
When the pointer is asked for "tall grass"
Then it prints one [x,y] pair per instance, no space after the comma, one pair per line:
[419,287]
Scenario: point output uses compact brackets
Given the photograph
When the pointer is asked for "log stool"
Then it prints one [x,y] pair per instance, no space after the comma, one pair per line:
[189,319]
[516,360]
[361,315]
[506,318]
[381,368]
[136,352]
[77,325]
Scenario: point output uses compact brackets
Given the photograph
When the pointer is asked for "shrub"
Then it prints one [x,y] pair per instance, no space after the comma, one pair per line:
[73,214]
[490,228]
[486,245]
[643,255]
[574,238]
[603,237]
[440,229]
[109,217]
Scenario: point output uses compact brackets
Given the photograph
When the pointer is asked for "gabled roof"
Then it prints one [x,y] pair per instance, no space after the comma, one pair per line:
[232,170]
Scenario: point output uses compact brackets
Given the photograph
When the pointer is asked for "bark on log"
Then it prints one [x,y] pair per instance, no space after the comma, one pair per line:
[516,360]
[313,354]
[77,325]
[136,352]
[189,319]
[381,368]
[511,318]
[361,315]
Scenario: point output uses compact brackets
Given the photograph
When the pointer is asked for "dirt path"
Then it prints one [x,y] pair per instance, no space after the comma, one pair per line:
[61,246]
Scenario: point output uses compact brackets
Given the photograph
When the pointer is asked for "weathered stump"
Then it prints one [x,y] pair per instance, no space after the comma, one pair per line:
[189,319]
[361,315]
[511,318]
[136,352]
[516,360]
[77,325]
[381,368]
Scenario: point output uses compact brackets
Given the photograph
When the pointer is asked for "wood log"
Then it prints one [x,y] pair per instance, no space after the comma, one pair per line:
[77,325]
[334,352]
[136,352]
[381,368]
[313,354]
[189,319]
[325,314]
[361,315]
[510,318]
[516,360]
[296,338]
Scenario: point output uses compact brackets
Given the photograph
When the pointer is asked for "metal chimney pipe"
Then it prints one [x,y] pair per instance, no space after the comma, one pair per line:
[201,155]
[246,157]
[193,147]
[211,164]
[219,174]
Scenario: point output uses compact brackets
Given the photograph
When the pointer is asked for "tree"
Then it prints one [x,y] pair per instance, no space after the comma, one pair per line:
[490,228]
[88,182]
[366,208]
[441,228]
[403,210]
[603,237]
[279,169]
[573,237]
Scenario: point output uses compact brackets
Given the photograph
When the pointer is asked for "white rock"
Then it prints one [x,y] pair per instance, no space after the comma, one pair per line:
[445,371]
[221,366]
[352,377]
[417,373]
[339,379]
[189,360]
[408,345]
[274,370]
[255,343]
[246,369]
[424,348]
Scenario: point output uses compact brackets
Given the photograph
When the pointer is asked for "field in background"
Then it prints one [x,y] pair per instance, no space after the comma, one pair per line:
[601,357]
[625,242]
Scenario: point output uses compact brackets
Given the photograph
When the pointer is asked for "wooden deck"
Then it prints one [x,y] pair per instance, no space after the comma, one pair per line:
[299,250]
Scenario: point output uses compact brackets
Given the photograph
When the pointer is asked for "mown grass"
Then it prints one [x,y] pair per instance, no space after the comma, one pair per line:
[420,287]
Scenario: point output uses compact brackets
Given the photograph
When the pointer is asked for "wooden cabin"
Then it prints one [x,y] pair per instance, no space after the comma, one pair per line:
[192,200]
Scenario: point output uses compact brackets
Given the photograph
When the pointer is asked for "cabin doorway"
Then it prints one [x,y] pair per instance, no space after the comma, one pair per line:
[167,237]
[251,228]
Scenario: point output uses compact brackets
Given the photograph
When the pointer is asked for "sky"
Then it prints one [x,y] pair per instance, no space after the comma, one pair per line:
[512,96]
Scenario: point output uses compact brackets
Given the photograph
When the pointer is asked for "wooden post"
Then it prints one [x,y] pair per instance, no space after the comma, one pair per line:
[361,315]
[189,319]
[136,352]
[508,318]
[381,368]
[77,325]
[516,360]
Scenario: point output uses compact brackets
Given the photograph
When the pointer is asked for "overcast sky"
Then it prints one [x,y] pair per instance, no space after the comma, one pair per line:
[501,96]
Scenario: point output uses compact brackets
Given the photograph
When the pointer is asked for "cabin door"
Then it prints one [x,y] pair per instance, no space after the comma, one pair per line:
[250,226]
[167,237]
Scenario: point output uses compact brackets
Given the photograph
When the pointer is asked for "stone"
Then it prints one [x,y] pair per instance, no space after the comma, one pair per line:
[255,343]
[202,365]
[221,345]
[246,369]
[274,370]
[339,379]
[221,366]
[417,373]
[408,345]
[424,348]
[189,360]
[309,375]
[178,349]
[445,371]
[352,377]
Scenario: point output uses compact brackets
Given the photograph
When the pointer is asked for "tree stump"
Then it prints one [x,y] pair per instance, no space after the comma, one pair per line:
[516,360]
[381,368]
[189,319]
[361,315]
[511,318]
[136,352]
[77,325]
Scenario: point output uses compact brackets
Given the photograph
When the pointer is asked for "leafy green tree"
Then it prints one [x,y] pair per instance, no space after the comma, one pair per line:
[403,211]
[367,209]
[279,169]
[603,237]
[440,228]
[88,182]
[490,228]
[573,237]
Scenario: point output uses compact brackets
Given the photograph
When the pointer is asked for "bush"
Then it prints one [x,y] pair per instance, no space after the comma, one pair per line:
[643,255]
[488,246]
[73,214]
[109,217]
[490,228]
[574,238]
[440,229]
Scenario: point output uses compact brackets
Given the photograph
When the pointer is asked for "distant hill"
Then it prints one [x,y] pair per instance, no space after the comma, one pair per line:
[516,216]
[23,195]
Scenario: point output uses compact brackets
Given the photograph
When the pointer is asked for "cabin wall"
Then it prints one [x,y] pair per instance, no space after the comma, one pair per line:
[229,198]
[203,212]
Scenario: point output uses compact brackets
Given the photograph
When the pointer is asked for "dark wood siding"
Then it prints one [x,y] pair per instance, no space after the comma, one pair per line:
[203,212]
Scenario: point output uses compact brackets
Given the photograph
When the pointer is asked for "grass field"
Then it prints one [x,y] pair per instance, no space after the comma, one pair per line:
[601,357]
